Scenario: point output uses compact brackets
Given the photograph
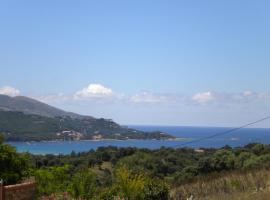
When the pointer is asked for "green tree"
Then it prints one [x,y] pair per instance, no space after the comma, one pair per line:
[223,160]
[14,166]
[242,158]
[258,149]
[2,138]
[187,174]
[252,162]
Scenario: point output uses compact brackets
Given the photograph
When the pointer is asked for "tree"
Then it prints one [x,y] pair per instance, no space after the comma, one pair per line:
[187,174]
[223,160]
[13,166]
[2,139]
[257,149]
[242,158]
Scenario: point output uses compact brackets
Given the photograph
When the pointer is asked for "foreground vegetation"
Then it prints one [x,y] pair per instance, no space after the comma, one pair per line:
[247,184]
[131,173]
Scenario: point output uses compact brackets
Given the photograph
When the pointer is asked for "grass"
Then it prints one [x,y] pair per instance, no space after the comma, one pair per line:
[262,195]
[232,185]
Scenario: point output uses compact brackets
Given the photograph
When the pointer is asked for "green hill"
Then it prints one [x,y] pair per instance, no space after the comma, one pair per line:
[31,106]
[24,119]
[18,126]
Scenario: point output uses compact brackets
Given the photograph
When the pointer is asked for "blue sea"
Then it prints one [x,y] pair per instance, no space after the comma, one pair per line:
[186,134]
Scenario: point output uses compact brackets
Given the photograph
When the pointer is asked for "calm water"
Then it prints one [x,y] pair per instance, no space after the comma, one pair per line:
[237,138]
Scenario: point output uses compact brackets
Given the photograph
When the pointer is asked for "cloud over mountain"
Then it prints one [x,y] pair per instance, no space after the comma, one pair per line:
[10,91]
[99,93]
[93,91]
[210,107]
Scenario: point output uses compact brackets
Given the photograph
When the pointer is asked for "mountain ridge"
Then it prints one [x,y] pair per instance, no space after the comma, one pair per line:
[29,105]
[26,119]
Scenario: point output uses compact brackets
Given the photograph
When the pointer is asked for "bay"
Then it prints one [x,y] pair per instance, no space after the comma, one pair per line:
[238,138]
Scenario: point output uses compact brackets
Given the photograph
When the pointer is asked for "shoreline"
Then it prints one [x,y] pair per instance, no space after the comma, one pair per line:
[100,140]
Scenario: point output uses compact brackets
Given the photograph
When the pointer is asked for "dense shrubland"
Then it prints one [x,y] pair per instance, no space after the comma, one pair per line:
[131,173]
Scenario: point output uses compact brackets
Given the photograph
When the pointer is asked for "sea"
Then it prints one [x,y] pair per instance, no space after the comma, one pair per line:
[193,137]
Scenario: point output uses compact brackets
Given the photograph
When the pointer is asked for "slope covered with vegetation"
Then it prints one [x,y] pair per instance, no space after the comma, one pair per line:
[234,185]
[131,173]
[31,106]
[17,126]
[26,119]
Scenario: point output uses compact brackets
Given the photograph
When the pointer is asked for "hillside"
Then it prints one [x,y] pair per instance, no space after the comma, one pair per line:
[139,174]
[161,174]
[25,119]
[234,185]
[31,106]
[17,126]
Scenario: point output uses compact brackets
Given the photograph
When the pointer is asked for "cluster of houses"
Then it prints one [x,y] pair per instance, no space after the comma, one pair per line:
[70,135]
[74,135]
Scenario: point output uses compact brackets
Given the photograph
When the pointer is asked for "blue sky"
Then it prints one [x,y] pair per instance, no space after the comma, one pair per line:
[202,63]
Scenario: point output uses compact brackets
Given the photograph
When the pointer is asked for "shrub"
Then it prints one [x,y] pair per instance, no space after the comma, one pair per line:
[136,186]
[14,167]
[83,185]
[52,180]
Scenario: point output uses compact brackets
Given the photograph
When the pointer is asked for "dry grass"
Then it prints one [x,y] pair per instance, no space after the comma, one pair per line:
[234,185]
[261,195]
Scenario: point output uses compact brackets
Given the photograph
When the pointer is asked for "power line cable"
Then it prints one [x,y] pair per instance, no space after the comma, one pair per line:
[222,133]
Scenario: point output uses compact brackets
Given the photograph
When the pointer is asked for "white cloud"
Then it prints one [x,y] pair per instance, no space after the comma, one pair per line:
[200,108]
[10,91]
[148,97]
[240,98]
[54,98]
[248,93]
[94,91]
[97,93]
[204,98]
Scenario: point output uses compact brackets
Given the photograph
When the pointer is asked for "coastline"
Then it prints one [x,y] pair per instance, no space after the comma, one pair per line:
[99,140]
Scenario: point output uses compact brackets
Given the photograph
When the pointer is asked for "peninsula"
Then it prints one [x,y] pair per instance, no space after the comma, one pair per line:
[26,119]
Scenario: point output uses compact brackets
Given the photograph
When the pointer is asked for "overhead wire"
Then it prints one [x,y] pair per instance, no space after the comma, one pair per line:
[222,133]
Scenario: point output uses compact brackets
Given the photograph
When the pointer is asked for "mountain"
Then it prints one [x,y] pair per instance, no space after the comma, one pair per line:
[26,119]
[32,106]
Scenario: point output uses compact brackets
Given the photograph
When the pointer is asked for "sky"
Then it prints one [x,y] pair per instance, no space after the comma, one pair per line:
[187,63]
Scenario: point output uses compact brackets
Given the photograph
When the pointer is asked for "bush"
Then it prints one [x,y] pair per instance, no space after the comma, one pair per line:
[52,180]
[186,175]
[223,160]
[83,185]
[136,186]
[14,167]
